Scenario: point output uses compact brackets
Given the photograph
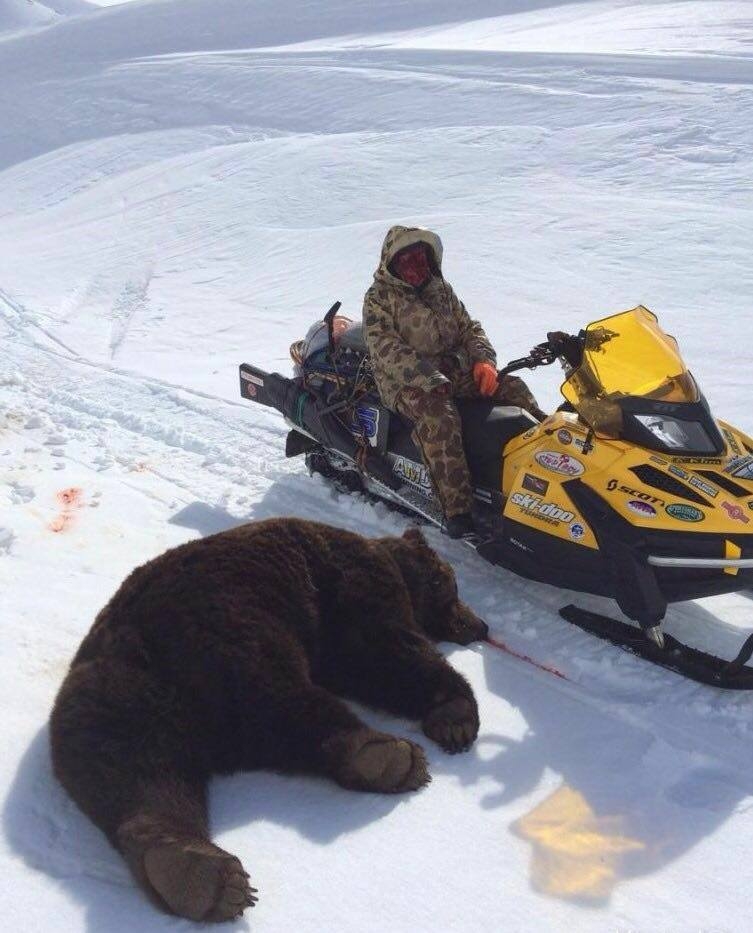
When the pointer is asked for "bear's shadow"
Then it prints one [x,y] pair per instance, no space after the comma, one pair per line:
[45,828]
[609,790]
[665,814]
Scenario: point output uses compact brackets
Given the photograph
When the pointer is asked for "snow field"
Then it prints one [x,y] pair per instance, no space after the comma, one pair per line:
[185,185]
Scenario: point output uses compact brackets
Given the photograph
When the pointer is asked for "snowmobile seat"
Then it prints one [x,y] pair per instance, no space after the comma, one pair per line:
[487,427]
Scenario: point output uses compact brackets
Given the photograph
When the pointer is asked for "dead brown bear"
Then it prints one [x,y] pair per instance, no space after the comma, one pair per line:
[227,654]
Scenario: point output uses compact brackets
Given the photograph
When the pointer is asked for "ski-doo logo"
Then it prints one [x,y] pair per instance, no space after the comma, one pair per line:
[559,463]
[685,513]
[735,512]
[547,511]
[634,493]
[414,473]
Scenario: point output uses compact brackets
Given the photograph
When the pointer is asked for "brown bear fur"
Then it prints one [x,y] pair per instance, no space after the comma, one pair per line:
[228,653]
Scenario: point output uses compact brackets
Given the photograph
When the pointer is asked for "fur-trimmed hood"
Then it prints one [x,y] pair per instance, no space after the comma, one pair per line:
[398,238]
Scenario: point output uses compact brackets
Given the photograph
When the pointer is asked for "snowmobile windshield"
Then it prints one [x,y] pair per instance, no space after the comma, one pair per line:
[624,355]
[317,338]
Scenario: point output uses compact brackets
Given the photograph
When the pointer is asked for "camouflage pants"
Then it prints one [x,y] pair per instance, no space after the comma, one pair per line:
[437,432]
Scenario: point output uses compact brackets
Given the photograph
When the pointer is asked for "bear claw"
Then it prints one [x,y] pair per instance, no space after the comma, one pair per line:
[453,725]
[199,881]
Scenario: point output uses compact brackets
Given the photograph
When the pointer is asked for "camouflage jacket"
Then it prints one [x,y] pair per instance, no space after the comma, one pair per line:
[420,337]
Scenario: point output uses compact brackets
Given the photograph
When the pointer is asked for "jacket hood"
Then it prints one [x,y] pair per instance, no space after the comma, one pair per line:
[398,238]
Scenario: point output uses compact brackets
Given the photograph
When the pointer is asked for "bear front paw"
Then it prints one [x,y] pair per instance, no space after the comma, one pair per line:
[374,761]
[453,725]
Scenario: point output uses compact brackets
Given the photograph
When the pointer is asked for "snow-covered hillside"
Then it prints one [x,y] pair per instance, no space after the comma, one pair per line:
[185,184]
[16,15]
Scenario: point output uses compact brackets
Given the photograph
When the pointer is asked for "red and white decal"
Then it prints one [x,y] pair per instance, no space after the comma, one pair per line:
[559,463]
[735,512]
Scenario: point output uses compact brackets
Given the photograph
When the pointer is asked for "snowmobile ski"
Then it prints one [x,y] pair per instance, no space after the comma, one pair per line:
[674,656]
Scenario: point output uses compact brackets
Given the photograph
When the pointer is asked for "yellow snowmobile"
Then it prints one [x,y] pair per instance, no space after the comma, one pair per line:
[630,490]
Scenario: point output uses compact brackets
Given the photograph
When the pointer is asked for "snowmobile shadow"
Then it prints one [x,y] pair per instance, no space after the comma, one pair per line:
[297,495]
[45,828]
[615,800]
[206,519]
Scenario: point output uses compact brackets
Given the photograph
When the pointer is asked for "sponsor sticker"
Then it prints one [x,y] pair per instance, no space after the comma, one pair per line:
[251,389]
[685,513]
[656,459]
[577,531]
[645,509]
[735,512]
[546,511]
[741,467]
[683,474]
[365,423]
[707,488]
[535,484]
[564,436]
[249,377]
[414,473]
[559,463]
[634,493]
[707,461]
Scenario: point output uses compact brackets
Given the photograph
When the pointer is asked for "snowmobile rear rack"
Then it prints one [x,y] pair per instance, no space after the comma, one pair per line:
[674,656]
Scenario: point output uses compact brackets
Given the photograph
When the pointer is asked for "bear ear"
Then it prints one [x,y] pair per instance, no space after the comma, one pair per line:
[415,536]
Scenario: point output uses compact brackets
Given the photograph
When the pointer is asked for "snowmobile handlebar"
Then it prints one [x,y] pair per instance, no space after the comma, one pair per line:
[557,345]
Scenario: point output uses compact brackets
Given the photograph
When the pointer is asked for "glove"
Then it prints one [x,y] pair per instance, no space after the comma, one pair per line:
[485,377]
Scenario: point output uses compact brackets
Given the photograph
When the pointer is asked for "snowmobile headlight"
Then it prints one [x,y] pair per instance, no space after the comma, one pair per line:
[678,435]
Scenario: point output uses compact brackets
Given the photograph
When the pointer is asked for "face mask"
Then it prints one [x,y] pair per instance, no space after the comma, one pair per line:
[412,265]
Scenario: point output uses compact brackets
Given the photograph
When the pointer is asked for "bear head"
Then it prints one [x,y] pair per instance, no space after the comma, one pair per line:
[434,591]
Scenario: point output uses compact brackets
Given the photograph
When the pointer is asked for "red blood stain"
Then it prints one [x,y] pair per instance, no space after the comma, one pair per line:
[70,500]
[502,646]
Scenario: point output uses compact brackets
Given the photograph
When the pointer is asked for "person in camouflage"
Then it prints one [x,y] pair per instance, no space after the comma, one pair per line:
[425,349]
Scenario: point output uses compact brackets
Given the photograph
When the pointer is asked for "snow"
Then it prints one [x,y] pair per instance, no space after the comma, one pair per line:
[184,185]
[17,15]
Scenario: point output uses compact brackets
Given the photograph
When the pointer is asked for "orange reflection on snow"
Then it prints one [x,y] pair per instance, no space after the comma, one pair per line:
[575,852]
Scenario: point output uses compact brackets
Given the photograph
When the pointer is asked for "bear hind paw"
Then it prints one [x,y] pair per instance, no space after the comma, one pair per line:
[199,881]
